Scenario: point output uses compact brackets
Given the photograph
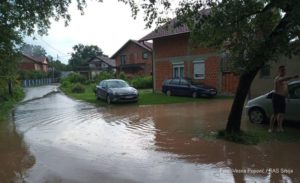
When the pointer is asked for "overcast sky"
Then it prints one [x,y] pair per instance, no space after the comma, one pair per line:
[108,25]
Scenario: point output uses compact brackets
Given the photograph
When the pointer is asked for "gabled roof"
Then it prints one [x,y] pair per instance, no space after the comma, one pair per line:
[171,28]
[110,62]
[36,59]
[145,45]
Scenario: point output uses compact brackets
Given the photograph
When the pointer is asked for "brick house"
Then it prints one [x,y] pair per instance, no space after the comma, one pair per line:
[175,56]
[95,65]
[134,58]
[33,63]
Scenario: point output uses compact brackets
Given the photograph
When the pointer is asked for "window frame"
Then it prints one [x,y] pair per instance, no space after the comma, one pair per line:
[194,74]
[180,70]
[122,59]
[145,57]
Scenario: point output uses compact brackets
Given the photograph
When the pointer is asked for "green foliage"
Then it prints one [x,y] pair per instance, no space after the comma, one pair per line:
[104,75]
[35,50]
[121,75]
[24,18]
[24,74]
[78,88]
[75,78]
[7,102]
[142,82]
[82,53]
[65,83]
[58,66]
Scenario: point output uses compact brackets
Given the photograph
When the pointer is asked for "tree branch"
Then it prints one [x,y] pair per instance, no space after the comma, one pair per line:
[266,8]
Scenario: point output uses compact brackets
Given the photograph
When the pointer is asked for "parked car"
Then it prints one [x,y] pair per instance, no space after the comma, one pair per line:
[260,108]
[116,90]
[187,87]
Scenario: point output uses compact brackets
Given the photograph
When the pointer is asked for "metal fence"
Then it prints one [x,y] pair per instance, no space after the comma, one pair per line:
[38,82]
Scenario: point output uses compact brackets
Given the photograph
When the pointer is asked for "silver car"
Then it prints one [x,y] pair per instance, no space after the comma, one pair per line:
[260,108]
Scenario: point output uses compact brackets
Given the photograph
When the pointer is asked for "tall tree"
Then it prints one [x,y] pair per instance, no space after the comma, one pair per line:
[35,50]
[20,18]
[82,53]
[253,32]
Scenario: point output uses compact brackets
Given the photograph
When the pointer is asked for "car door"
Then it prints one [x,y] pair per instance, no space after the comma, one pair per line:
[102,90]
[293,103]
[184,88]
[174,86]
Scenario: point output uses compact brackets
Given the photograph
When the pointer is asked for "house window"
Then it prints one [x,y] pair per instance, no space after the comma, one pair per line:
[265,71]
[145,55]
[199,70]
[178,71]
[123,59]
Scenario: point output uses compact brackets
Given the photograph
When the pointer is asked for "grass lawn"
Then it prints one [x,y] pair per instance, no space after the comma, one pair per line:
[146,97]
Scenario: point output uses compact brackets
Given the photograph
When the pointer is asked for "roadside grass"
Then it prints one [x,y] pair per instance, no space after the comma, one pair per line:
[146,97]
[7,105]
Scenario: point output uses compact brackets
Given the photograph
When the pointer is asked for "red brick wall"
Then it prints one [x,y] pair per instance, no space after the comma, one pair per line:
[211,71]
[164,69]
[229,83]
[27,66]
[177,46]
[171,46]
[134,55]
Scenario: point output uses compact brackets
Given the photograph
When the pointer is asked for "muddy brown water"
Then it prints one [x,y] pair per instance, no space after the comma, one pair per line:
[58,139]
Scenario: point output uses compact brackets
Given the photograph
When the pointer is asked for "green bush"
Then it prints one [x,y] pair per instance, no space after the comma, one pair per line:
[65,83]
[78,88]
[142,82]
[23,74]
[104,75]
[76,78]
[121,75]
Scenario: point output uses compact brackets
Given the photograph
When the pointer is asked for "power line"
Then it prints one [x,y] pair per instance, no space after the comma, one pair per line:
[61,53]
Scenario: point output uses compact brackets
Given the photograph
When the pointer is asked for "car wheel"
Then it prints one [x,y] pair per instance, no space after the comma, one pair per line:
[257,115]
[97,96]
[108,100]
[194,94]
[169,93]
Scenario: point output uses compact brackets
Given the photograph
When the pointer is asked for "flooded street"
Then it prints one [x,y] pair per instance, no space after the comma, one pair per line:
[59,139]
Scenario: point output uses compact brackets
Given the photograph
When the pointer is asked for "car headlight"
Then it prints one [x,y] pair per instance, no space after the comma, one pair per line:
[135,92]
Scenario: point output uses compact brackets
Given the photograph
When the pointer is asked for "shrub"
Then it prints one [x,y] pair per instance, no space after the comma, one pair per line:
[142,82]
[76,78]
[104,75]
[121,75]
[23,74]
[78,88]
[65,83]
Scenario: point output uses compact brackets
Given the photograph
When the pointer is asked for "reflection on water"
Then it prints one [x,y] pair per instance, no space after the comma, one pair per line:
[76,142]
[14,156]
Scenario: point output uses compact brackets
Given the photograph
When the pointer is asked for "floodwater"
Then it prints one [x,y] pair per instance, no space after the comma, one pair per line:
[65,140]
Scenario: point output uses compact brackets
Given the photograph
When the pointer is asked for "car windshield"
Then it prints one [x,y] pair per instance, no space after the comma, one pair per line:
[117,84]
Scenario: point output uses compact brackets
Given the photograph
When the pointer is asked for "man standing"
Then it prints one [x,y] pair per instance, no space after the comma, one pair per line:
[279,95]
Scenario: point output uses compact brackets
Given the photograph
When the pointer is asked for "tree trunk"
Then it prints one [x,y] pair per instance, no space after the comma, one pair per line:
[10,90]
[234,119]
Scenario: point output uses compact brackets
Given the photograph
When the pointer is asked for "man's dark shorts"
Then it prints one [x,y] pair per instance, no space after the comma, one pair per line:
[278,103]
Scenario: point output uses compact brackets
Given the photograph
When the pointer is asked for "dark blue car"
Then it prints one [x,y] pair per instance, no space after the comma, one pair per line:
[186,87]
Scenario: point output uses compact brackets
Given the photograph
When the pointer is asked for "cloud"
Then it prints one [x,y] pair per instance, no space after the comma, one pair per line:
[108,25]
